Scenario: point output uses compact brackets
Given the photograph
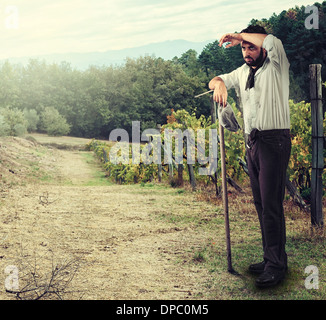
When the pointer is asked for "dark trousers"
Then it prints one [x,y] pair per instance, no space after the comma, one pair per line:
[268,154]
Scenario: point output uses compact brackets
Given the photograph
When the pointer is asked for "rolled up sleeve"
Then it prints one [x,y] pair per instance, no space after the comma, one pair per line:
[276,52]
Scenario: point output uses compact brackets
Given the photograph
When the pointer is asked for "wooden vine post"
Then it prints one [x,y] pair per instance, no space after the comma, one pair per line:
[317,145]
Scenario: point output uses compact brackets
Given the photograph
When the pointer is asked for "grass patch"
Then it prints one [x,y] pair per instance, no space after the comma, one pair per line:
[303,250]
[226,286]
[99,177]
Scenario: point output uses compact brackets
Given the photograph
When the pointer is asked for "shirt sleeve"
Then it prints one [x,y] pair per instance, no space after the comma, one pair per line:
[276,52]
[231,80]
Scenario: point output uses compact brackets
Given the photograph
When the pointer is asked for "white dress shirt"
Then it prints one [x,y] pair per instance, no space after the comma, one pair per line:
[266,105]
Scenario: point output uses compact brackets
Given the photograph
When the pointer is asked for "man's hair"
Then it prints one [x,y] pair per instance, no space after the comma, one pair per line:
[254,29]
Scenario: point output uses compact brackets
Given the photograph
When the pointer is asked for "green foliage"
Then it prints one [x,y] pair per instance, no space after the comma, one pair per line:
[12,121]
[178,120]
[234,142]
[100,99]
[4,127]
[123,173]
[300,161]
[216,60]
[303,46]
[155,86]
[299,169]
[32,119]
[53,123]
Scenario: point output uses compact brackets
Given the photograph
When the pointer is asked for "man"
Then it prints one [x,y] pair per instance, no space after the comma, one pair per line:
[262,84]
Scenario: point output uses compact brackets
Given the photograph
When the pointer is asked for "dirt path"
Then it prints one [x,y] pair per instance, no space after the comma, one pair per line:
[123,249]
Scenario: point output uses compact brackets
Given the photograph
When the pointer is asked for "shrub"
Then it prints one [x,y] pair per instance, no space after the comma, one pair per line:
[13,122]
[53,123]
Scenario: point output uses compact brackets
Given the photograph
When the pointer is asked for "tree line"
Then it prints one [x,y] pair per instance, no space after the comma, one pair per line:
[58,99]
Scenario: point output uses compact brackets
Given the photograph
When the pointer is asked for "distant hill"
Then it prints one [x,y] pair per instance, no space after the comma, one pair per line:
[166,50]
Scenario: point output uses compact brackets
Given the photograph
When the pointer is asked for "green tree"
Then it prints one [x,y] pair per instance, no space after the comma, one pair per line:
[9,85]
[13,121]
[53,123]
[190,63]
[303,46]
[148,88]
[32,119]
[4,127]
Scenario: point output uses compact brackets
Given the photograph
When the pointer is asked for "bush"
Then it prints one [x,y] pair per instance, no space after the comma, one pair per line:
[301,154]
[13,122]
[4,127]
[53,123]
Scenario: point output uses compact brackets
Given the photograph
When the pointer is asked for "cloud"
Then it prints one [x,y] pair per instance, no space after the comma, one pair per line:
[47,26]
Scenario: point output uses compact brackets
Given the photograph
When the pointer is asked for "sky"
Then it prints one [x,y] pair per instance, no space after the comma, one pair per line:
[38,27]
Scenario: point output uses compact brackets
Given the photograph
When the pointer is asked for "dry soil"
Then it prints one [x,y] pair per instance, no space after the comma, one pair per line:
[63,235]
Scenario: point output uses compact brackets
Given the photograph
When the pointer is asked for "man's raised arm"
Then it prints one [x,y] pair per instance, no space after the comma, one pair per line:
[236,38]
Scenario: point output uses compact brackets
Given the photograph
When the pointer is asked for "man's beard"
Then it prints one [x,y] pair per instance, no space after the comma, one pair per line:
[259,61]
